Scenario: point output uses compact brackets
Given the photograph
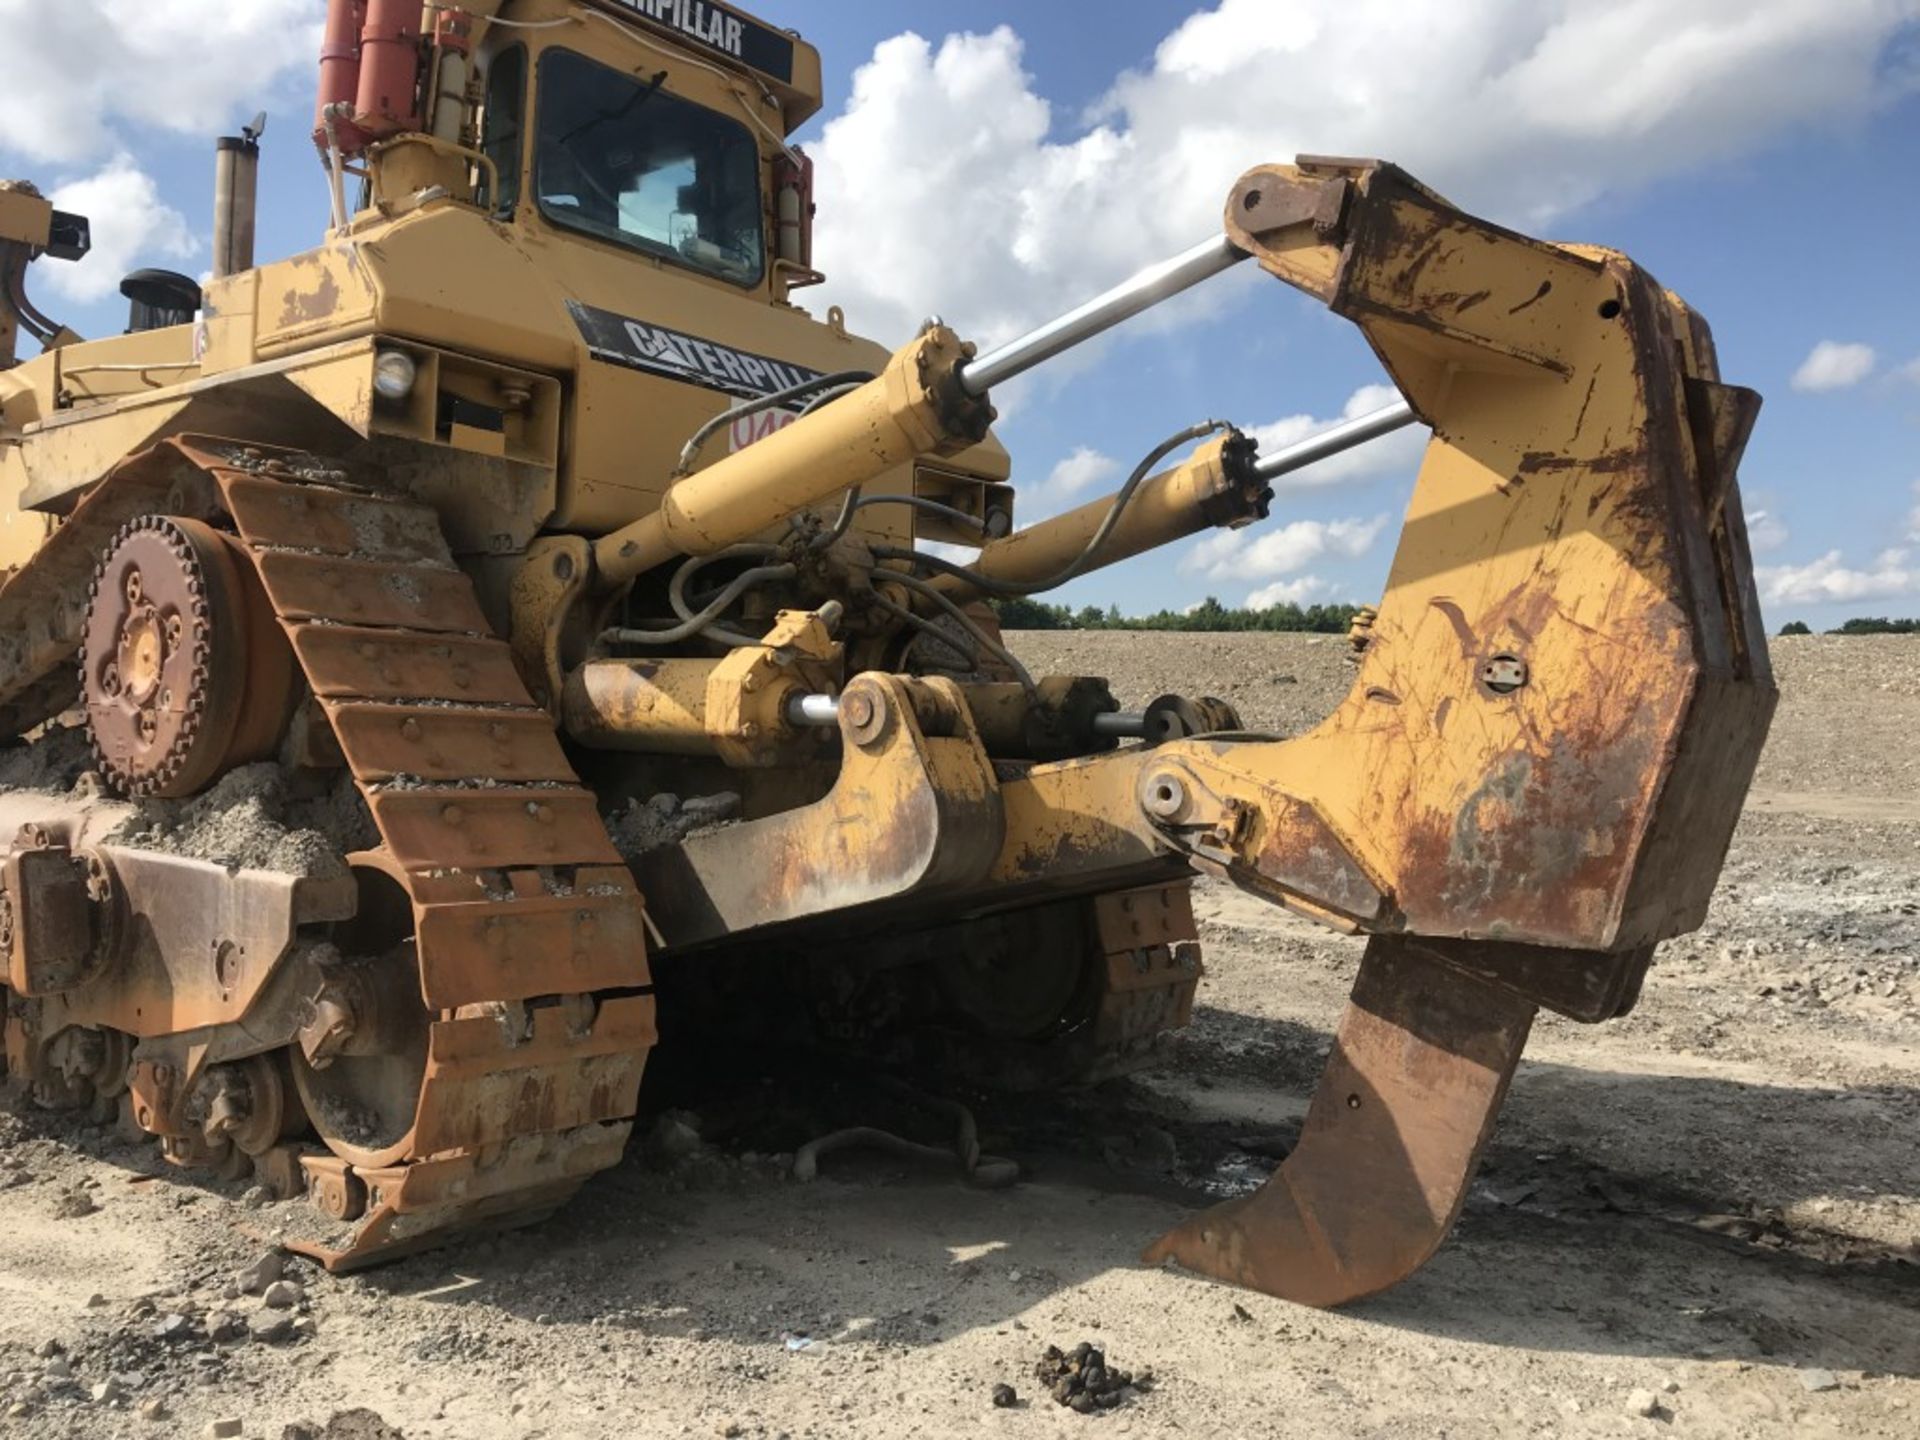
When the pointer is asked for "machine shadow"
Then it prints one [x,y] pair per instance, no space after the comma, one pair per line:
[1583,1232]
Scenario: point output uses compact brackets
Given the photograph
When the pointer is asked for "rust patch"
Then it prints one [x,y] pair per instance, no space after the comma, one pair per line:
[1612,462]
[1580,420]
[1546,287]
[1457,618]
[1410,277]
[1541,848]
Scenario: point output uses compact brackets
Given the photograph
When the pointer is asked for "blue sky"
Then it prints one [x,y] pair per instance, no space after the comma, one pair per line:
[1757,156]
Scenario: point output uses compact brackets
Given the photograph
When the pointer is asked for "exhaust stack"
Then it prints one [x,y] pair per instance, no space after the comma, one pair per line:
[236,192]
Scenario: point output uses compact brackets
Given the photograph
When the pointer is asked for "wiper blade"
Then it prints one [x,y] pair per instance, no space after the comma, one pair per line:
[633,103]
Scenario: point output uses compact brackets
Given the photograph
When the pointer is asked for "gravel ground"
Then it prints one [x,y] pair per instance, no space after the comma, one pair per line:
[1702,1220]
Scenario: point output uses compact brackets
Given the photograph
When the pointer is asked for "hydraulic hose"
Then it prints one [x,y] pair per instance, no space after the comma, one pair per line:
[701,622]
[840,381]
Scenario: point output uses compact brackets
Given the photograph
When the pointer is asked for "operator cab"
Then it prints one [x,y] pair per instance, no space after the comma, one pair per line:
[673,158]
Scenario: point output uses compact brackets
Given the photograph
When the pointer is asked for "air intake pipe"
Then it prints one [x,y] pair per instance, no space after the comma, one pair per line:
[370,71]
[388,102]
[339,89]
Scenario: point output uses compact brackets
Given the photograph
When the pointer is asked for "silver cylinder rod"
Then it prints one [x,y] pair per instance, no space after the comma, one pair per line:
[1103,312]
[1328,443]
[813,712]
[1125,724]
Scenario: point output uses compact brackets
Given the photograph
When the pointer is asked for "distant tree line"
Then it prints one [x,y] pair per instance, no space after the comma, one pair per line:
[1209,614]
[1864,625]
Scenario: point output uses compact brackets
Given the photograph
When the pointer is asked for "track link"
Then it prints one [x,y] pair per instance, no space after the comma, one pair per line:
[522,909]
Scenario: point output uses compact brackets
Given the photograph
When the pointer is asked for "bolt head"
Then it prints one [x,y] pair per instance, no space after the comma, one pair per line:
[863,715]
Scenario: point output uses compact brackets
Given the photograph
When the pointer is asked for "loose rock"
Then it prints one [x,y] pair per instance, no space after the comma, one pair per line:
[174,1327]
[675,1136]
[356,1424]
[73,1204]
[1081,1380]
[255,1278]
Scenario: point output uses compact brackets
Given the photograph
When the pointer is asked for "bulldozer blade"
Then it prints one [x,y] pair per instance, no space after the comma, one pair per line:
[1417,1074]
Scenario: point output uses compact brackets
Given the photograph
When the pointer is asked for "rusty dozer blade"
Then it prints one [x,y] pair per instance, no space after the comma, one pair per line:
[1556,713]
[1391,1140]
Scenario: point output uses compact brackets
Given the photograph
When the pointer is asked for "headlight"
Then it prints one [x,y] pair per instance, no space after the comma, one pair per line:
[393,374]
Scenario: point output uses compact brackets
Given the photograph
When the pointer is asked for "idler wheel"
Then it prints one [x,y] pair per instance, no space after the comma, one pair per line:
[183,668]
[246,1103]
[361,1084]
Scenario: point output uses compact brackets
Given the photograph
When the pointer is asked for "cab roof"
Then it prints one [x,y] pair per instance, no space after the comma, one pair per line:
[708,30]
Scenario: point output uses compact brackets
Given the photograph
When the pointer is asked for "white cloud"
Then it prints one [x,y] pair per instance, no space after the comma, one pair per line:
[1890,577]
[1766,532]
[79,77]
[1395,454]
[1834,365]
[1067,484]
[1280,550]
[1521,109]
[1304,591]
[131,225]
[941,550]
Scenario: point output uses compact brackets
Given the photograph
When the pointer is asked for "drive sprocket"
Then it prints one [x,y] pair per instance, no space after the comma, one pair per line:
[180,681]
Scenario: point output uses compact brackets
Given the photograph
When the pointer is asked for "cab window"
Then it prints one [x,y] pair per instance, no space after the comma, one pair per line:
[620,158]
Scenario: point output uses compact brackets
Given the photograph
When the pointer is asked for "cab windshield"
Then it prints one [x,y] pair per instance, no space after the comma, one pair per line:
[618,157]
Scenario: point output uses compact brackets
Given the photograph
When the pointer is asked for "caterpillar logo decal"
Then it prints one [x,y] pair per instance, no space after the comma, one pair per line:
[679,356]
[722,30]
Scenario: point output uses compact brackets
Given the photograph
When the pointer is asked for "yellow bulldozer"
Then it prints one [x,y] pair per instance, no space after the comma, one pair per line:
[530,506]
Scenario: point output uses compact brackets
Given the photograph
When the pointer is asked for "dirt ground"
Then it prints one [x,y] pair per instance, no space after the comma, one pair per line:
[1714,1202]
